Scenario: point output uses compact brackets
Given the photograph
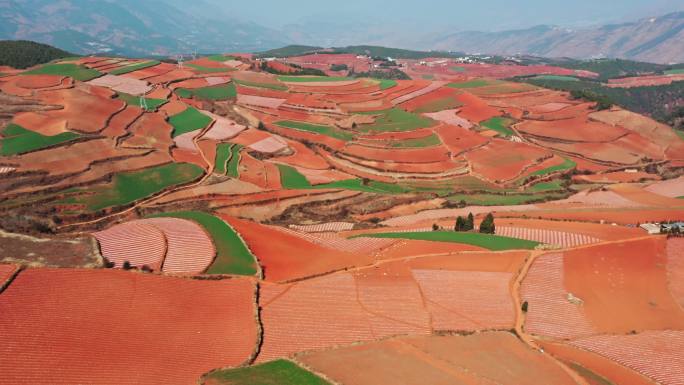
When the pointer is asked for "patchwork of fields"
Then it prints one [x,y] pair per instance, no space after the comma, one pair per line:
[276,228]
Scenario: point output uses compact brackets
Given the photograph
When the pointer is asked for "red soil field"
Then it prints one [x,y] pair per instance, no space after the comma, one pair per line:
[411,155]
[120,122]
[621,216]
[616,177]
[173,107]
[303,157]
[483,300]
[475,109]
[501,160]
[165,77]
[39,81]
[604,367]
[150,131]
[440,169]
[675,268]
[550,313]
[138,242]
[298,135]
[636,193]
[458,139]
[409,248]
[485,358]
[286,257]
[431,97]
[575,129]
[150,73]
[369,139]
[654,354]
[6,272]
[260,173]
[64,326]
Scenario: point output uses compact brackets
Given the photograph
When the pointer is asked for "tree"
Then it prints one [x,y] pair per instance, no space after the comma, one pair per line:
[525,306]
[127,265]
[487,226]
[261,126]
[435,227]
[470,222]
[460,224]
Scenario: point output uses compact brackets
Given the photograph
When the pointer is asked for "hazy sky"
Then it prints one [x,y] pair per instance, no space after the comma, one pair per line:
[486,15]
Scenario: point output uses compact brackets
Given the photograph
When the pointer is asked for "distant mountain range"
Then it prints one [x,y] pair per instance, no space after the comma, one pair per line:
[655,40]
[166,27]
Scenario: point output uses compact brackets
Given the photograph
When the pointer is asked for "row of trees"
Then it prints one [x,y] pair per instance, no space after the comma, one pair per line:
[468,224]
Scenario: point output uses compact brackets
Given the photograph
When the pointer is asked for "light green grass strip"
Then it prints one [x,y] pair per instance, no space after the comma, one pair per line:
[675,72]
[232,255]
[395,120]
[566,165]
[310,79]
[557,77]
[318,129]
[219,92]
[500,125]
[487,241]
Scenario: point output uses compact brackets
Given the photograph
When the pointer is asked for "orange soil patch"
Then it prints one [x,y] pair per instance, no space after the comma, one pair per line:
[576,129]
[181,155]
[150,131]
[458,139]
[286,257]
[410,168]
[622,216]
[491,357]
[73,158]
[412,155]
[409,248]
[655,354]
[205,62]
[262,92]
[636,193]
[83,111]
[501,160]
[190,84]
[624,286]
[675,268]
[118,125]
[394,136]
[159,93]
[303,157]
[166,77]
[85,324]
[616,177]
[173,107]
[150,72]
[39,81]
[436,95]
[604,367]
[299,135]
[475,109]
[6,272]
[260,173]
[629,149]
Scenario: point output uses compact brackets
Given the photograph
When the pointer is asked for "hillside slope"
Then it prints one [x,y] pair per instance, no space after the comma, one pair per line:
[657,40]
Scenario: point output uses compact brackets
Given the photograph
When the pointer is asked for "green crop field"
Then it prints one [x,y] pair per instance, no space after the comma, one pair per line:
[74,71]
[556,77]
[292,179]
[207,69]
[428,141]
[472,84]
[500,125]
[228,159]
[318,129]
[555,185]
[457,69]
[487,241]
[152,104]
[220,92]
[309,79]
[675,72]
[277,87]
[232,255]
[503,200]
[220,58]
[387,83]
[188,121]
[428,77]
[395,119]
[129,187]
[135,67]
[278,372]
[446,103]
[18,140]
[566,165]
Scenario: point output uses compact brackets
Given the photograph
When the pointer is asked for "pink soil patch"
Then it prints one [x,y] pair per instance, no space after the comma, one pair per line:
[66,326]
[189,248]
[316,177]
[675,268]
[423,91]
[122,84]
[187,141]
[450,117]
[672,188]
[655,354]
[270,145]
[139,243]
[324,227]
[483,300]
[417,155]
[259,101]
[223,128]
[549,237]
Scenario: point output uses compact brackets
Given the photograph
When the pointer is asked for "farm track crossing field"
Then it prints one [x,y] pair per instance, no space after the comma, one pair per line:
[71,70]
[18,140]
[152,104]
[189,120]
[278,372]
[232,255]
[127,188]
[487,241]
